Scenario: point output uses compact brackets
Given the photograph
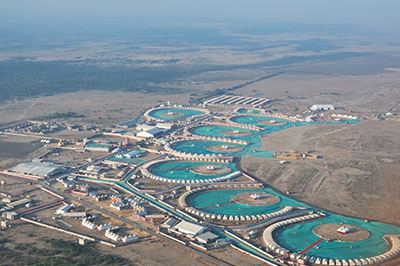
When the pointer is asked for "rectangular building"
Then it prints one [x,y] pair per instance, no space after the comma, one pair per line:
[151,133]
[206,238]
[322,107]
[190,229]
[99,147]
[18,203]
[40,170]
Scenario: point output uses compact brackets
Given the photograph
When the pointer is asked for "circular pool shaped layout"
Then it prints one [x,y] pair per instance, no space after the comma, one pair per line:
[237,202]
[298,237]
[220,131]
[191,171]
[262,121]
[174,113]
[206,147]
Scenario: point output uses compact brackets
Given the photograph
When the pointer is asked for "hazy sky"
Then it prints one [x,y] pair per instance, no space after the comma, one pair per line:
[376,14]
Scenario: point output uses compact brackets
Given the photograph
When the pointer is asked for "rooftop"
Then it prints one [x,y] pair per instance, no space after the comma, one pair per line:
[35,168]
[207,236]
[98,145]
[189,228]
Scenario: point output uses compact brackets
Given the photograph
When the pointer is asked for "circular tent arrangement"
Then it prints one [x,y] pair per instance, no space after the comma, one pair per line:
[167,114]
[190,172]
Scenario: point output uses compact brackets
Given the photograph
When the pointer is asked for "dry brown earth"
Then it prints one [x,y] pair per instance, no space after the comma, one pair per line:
[359,93]
[329,231]
[101,107]
[358,174]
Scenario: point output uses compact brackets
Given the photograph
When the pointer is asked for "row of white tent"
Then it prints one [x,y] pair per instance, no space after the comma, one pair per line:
[257,217]
[193,156]
[221,139]
[235,124]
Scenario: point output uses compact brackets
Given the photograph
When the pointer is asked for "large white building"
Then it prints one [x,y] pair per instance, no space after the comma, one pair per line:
[39,170]
[151,133]
[322,107]
[190,229]
[206,237]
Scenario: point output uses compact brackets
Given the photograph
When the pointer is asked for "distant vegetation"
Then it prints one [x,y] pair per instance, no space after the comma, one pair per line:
[21,78]
[330,93]
[56,253]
